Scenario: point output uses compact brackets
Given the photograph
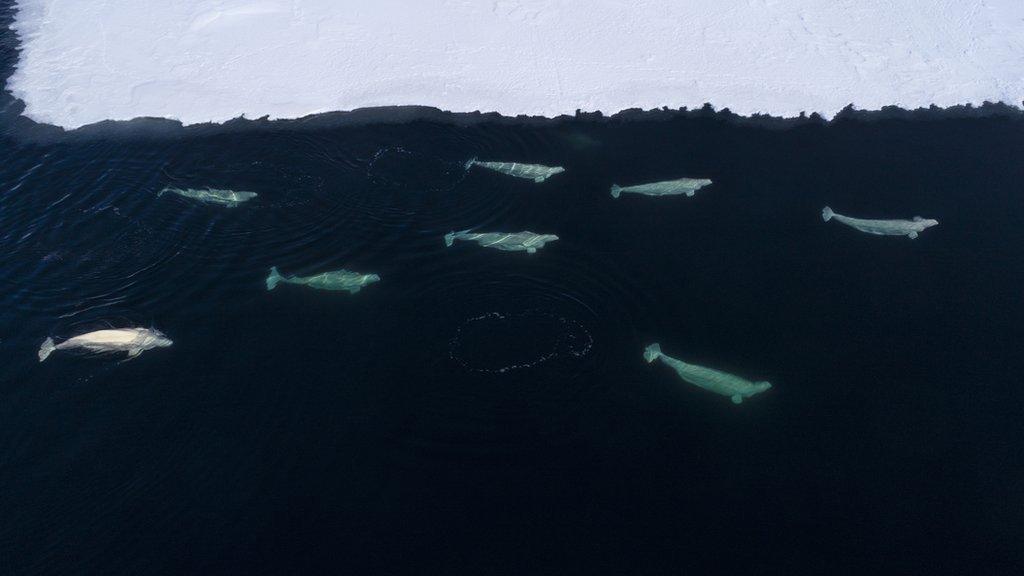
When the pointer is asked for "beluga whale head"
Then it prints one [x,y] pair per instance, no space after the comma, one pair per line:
[156,339]
[754,389]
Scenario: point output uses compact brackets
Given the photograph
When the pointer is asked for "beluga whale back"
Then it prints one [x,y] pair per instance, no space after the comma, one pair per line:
[528,242]
[229,198]
[734,387]
[335,280]
[131,340]
[536,172]
[908,228]
[688,186]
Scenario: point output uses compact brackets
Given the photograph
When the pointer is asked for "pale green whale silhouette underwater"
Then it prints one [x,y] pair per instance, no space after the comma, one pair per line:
[526,241]
[229,198]
[536,172]
[335,280]
[716,381]
[687,186]
[909,228]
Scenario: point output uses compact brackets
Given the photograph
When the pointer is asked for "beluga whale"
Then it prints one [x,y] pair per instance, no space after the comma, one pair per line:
[229,198]
[335,280]
[688,186]
[908,228]
[536,172]
[528,242]
[131,340]
[734,387]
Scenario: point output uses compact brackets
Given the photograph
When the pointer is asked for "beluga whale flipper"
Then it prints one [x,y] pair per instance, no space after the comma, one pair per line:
[908,228]
[688,186]
[134,341]
[734,387]
[335,280]
[229,198]
[528,242]
[536,172]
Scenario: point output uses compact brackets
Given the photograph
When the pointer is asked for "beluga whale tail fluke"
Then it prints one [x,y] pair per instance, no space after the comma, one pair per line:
[616,190]
[722,383]
[450,237]
[652,352]
[46,349]
[909,228]
[274,278]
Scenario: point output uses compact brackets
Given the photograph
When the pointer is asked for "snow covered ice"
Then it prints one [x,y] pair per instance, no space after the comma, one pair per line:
[213,60]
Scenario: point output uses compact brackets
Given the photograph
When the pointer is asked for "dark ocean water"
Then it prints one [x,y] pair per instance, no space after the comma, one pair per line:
[307,432]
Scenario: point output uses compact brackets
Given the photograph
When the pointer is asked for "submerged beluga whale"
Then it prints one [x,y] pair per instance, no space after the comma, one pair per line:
[131,340]
[336,280]
[229,198]
[734,387]
[536,172]
[688,186]
[908,228]
[528,242]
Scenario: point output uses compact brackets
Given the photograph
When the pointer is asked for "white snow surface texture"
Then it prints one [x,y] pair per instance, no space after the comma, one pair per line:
[212,60]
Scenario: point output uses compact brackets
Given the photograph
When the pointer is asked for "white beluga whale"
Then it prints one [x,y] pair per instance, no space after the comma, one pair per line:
[335,280]
[229,198]
[131,340]
[908,228]
[688,186]
[528,242]
[734,387]
[535,172]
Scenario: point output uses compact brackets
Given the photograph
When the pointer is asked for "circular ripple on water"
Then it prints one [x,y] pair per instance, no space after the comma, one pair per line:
[554,314]
[496,342]
[525,348]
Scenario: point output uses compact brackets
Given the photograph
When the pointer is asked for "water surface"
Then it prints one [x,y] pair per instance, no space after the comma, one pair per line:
[488,412]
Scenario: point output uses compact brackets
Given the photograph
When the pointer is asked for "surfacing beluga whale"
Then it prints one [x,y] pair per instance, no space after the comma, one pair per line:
[536,172]
[908,228]
[688,186]
[734,387]
[528,242]
[335,280]
[131,340]
[229,198]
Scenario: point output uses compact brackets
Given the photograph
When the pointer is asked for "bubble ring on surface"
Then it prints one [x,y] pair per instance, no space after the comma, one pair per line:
[572,340]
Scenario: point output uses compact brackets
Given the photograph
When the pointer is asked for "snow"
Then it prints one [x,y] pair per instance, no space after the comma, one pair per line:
[214,60]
